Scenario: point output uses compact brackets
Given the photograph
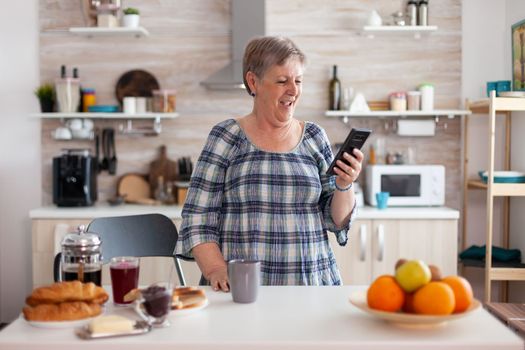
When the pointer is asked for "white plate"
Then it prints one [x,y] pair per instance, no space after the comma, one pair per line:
[358,299]
[190,310]
[59,324]
[512,94]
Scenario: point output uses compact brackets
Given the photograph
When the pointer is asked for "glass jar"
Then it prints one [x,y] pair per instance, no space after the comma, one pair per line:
[398,101]
[414,100]
[164,101]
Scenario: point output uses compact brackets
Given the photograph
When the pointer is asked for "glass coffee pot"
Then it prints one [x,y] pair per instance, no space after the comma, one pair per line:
[81,257]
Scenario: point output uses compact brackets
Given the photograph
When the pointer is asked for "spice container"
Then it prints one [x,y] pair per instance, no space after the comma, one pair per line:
[398,101]
[414,100]
[88,99]
[164,101]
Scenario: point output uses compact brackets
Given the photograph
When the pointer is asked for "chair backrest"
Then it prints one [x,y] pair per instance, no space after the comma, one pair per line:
[136,235]
[144,235]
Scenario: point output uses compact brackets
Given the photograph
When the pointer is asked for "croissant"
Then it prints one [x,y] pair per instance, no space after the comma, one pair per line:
[68,291]
[62,312]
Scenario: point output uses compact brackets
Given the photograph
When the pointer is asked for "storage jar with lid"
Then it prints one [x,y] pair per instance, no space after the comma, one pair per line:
[427,96]
[80,258]
[398,101]
[164,101]
[413,100]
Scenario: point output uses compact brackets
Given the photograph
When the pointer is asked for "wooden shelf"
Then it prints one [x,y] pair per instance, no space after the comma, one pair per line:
[495,264]
[392,114]
[492,107]
[105,115]
[115,31]
[502,105]
[416,31]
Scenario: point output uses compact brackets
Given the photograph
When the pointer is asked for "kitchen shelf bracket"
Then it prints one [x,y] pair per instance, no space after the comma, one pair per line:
[128,129]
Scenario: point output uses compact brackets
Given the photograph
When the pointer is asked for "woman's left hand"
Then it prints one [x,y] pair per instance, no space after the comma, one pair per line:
[347,174]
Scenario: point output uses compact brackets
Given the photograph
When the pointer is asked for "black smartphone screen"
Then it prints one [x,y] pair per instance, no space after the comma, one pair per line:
[355,139]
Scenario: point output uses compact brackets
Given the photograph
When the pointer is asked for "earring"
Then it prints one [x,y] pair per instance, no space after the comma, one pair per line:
[253,94]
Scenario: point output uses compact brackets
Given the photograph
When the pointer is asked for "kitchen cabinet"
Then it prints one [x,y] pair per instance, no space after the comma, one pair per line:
[46,237]
[374,246]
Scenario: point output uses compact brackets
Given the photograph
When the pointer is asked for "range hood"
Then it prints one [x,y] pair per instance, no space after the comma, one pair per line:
[248,21]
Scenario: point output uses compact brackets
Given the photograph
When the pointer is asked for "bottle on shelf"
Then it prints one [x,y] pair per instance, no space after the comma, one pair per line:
[334,92]
[81,93]
[422,16]
[88,99]
[160,191]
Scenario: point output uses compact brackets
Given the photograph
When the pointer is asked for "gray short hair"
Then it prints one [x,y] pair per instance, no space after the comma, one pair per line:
[263,52]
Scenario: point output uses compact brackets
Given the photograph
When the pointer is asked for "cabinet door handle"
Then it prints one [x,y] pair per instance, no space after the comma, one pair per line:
[380,242]
[362,243]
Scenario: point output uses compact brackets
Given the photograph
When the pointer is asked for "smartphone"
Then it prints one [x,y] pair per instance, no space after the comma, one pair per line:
[355,139]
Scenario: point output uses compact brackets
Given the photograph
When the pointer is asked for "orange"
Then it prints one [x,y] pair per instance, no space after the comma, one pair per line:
[462,292]
[434,298]
[385,294]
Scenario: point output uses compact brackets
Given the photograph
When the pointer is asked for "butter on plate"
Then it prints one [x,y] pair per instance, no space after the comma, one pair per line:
[111,324]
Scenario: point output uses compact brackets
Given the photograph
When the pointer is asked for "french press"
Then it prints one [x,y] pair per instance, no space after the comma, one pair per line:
[80,258]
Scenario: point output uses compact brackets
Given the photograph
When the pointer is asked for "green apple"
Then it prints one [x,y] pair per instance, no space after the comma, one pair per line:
[413,274]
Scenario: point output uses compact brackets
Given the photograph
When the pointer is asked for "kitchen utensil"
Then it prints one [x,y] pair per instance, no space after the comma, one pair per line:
[162,166]
[135,188]
[104,164]
[97,151]
[80,258]
[112,153]
[136,83]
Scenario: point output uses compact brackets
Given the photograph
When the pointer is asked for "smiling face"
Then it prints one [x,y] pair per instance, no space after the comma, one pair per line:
[278,90]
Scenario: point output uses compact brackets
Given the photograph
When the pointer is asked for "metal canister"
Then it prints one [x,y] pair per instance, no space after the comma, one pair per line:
[81,257]
[412,12]
[423,13]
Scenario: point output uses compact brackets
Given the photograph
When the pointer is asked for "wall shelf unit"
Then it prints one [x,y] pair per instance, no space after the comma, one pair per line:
[493,107]
[450,113]
[416,31]
[105,115]
[90,32]
[126,129]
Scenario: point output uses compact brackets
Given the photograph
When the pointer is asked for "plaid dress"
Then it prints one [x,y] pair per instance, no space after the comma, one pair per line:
[267,206]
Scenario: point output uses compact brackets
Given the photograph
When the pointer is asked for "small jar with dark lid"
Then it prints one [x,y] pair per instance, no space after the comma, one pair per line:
[82,257]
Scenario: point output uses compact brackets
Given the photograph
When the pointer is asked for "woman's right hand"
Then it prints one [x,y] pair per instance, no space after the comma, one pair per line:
[219,279]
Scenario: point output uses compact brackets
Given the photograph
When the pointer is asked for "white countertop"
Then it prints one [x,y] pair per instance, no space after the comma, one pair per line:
[174,212]
[291,317]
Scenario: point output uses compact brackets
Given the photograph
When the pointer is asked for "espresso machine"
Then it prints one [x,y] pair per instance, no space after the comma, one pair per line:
[74,178]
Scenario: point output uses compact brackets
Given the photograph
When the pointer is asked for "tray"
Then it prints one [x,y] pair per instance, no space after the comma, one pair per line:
[140,327]
[504,176]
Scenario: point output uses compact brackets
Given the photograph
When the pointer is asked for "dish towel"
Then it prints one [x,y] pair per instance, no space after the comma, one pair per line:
[498,254]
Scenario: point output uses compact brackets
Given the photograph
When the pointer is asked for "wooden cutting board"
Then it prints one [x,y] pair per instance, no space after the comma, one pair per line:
[135,188]
[162,166]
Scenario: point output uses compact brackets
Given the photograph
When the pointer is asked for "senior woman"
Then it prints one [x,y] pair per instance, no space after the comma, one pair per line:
[260,190]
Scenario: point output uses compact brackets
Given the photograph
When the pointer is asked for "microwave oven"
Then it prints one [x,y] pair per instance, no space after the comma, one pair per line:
[408,185]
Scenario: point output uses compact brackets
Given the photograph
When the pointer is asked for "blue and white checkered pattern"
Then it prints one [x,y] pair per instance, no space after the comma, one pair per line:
[267,206]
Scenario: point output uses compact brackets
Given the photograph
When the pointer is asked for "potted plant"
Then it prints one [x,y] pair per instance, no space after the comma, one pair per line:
[131,17]
[46,96]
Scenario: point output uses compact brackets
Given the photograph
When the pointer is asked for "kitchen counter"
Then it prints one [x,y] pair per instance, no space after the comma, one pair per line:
[291,317]
[174,212]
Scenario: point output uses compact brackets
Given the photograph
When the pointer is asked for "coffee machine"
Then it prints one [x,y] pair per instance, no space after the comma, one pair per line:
[74,178]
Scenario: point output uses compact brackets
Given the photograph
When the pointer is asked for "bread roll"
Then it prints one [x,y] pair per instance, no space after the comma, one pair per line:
[68,291]
[68,311]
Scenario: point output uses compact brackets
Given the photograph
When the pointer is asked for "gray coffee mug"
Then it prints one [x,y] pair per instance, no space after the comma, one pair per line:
[245,278]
